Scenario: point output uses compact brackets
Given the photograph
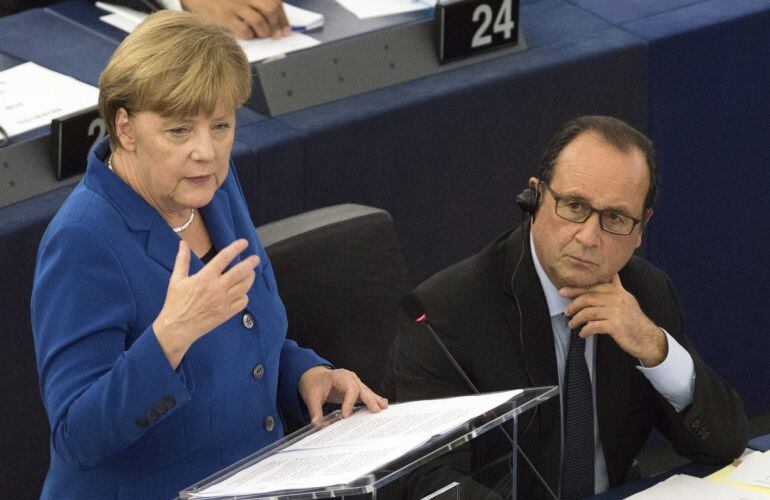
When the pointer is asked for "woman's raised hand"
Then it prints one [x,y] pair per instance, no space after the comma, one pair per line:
[197,304]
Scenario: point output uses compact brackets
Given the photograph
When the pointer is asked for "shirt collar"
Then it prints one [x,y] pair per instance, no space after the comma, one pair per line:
[556,303]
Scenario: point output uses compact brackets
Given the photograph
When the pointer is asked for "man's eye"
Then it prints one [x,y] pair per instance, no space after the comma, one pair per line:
[614,216]
[575,206]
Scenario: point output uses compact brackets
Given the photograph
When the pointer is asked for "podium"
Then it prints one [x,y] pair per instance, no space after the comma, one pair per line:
[369,485]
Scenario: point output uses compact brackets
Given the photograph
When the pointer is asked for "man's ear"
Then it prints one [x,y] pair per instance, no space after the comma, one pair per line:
[124,130]
[647,216]
[645,219]
[534,182]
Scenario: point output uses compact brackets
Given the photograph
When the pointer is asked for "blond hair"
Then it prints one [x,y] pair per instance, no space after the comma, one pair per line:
[175,65]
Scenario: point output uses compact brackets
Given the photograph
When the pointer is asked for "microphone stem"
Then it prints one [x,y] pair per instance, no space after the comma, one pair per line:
[473,388]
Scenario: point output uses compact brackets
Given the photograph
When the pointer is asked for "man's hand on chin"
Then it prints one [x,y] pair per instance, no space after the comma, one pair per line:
[608,308]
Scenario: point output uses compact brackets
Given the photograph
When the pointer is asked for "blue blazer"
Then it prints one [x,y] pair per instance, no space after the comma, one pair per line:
[124,424]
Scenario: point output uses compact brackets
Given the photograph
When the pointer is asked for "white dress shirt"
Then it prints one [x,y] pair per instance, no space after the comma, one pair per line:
[674,378]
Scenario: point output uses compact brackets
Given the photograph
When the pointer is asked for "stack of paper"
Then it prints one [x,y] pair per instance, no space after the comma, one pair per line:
[301,19]
[127,20]
[364,9]
[682,486]
[751,473]
[31,96]
[351,448]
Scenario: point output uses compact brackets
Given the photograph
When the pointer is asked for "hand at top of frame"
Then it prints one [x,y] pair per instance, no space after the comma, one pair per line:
[246,18]
[321,384]
[608,308]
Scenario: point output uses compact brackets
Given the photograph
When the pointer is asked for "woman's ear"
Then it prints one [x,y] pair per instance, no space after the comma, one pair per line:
[124,130]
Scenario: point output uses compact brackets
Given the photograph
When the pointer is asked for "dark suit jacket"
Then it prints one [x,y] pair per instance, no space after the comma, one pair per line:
[471,306]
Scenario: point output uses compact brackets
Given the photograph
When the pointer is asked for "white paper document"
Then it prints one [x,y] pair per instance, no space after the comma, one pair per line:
[683,486]
[364,9]
[351,448]
[31,96]
[753,470]
[303,19]
[127,20]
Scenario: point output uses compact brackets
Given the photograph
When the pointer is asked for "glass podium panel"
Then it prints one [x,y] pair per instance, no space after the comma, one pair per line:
[369,484]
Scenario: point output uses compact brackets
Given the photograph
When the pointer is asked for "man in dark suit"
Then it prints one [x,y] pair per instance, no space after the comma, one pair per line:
[563,301]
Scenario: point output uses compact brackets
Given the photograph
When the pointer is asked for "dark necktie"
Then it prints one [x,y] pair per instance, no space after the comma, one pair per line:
[577,479]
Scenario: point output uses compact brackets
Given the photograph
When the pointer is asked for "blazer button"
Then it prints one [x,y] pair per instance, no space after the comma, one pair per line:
[160,407]
[248,321]
[169,401]
[258,371]
[142,422]
[269,423]
[152,415]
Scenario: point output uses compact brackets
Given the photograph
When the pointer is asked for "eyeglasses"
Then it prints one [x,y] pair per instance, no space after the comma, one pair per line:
[3,137]
[579,211]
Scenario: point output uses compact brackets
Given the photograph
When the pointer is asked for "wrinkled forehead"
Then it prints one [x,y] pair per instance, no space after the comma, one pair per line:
[607,176]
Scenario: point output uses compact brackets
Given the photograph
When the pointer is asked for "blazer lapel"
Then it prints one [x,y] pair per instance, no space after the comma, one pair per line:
[535,340]
[219,221]
[536,336]
[613,389]
[163,243]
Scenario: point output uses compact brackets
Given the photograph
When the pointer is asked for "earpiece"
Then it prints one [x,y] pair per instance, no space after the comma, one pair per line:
[527,201]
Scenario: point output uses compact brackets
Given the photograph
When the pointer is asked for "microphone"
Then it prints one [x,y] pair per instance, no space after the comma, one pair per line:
[414,308]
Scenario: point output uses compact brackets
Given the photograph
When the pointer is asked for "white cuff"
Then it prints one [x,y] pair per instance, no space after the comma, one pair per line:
[171,4]
[674,378]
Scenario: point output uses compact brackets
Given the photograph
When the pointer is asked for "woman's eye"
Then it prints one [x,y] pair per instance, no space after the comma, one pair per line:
[179,130]
[222,126]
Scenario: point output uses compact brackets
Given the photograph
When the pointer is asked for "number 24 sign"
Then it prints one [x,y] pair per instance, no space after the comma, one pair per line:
[469,26]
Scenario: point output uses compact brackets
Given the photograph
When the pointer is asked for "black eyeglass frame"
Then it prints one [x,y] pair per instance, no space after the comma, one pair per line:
[591,210]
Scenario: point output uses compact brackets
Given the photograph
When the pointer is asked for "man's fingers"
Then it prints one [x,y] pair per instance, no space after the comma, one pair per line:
[586,315]
[239,27]
[272,11]
[586,300]
[284,21]
[225,256]
[256,21]
[182,262]
[595,327]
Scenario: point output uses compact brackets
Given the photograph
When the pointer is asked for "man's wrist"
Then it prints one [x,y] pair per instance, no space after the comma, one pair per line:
[659,353]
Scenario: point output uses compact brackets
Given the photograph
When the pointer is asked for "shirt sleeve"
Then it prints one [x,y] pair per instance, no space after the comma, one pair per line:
[171,4]
[674,378]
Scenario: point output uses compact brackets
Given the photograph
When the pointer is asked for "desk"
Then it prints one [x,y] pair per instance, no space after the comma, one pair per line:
[626,490]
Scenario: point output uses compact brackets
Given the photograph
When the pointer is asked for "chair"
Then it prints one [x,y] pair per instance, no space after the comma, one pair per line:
[340,273]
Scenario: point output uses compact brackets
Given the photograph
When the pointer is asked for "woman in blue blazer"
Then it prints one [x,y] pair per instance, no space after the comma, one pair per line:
[159,332]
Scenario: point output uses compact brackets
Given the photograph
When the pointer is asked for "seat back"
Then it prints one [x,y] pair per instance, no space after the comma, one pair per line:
[341,274]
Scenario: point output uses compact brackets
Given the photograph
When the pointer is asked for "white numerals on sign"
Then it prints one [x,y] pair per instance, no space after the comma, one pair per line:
[480,39]
[97,125]
[503,23]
